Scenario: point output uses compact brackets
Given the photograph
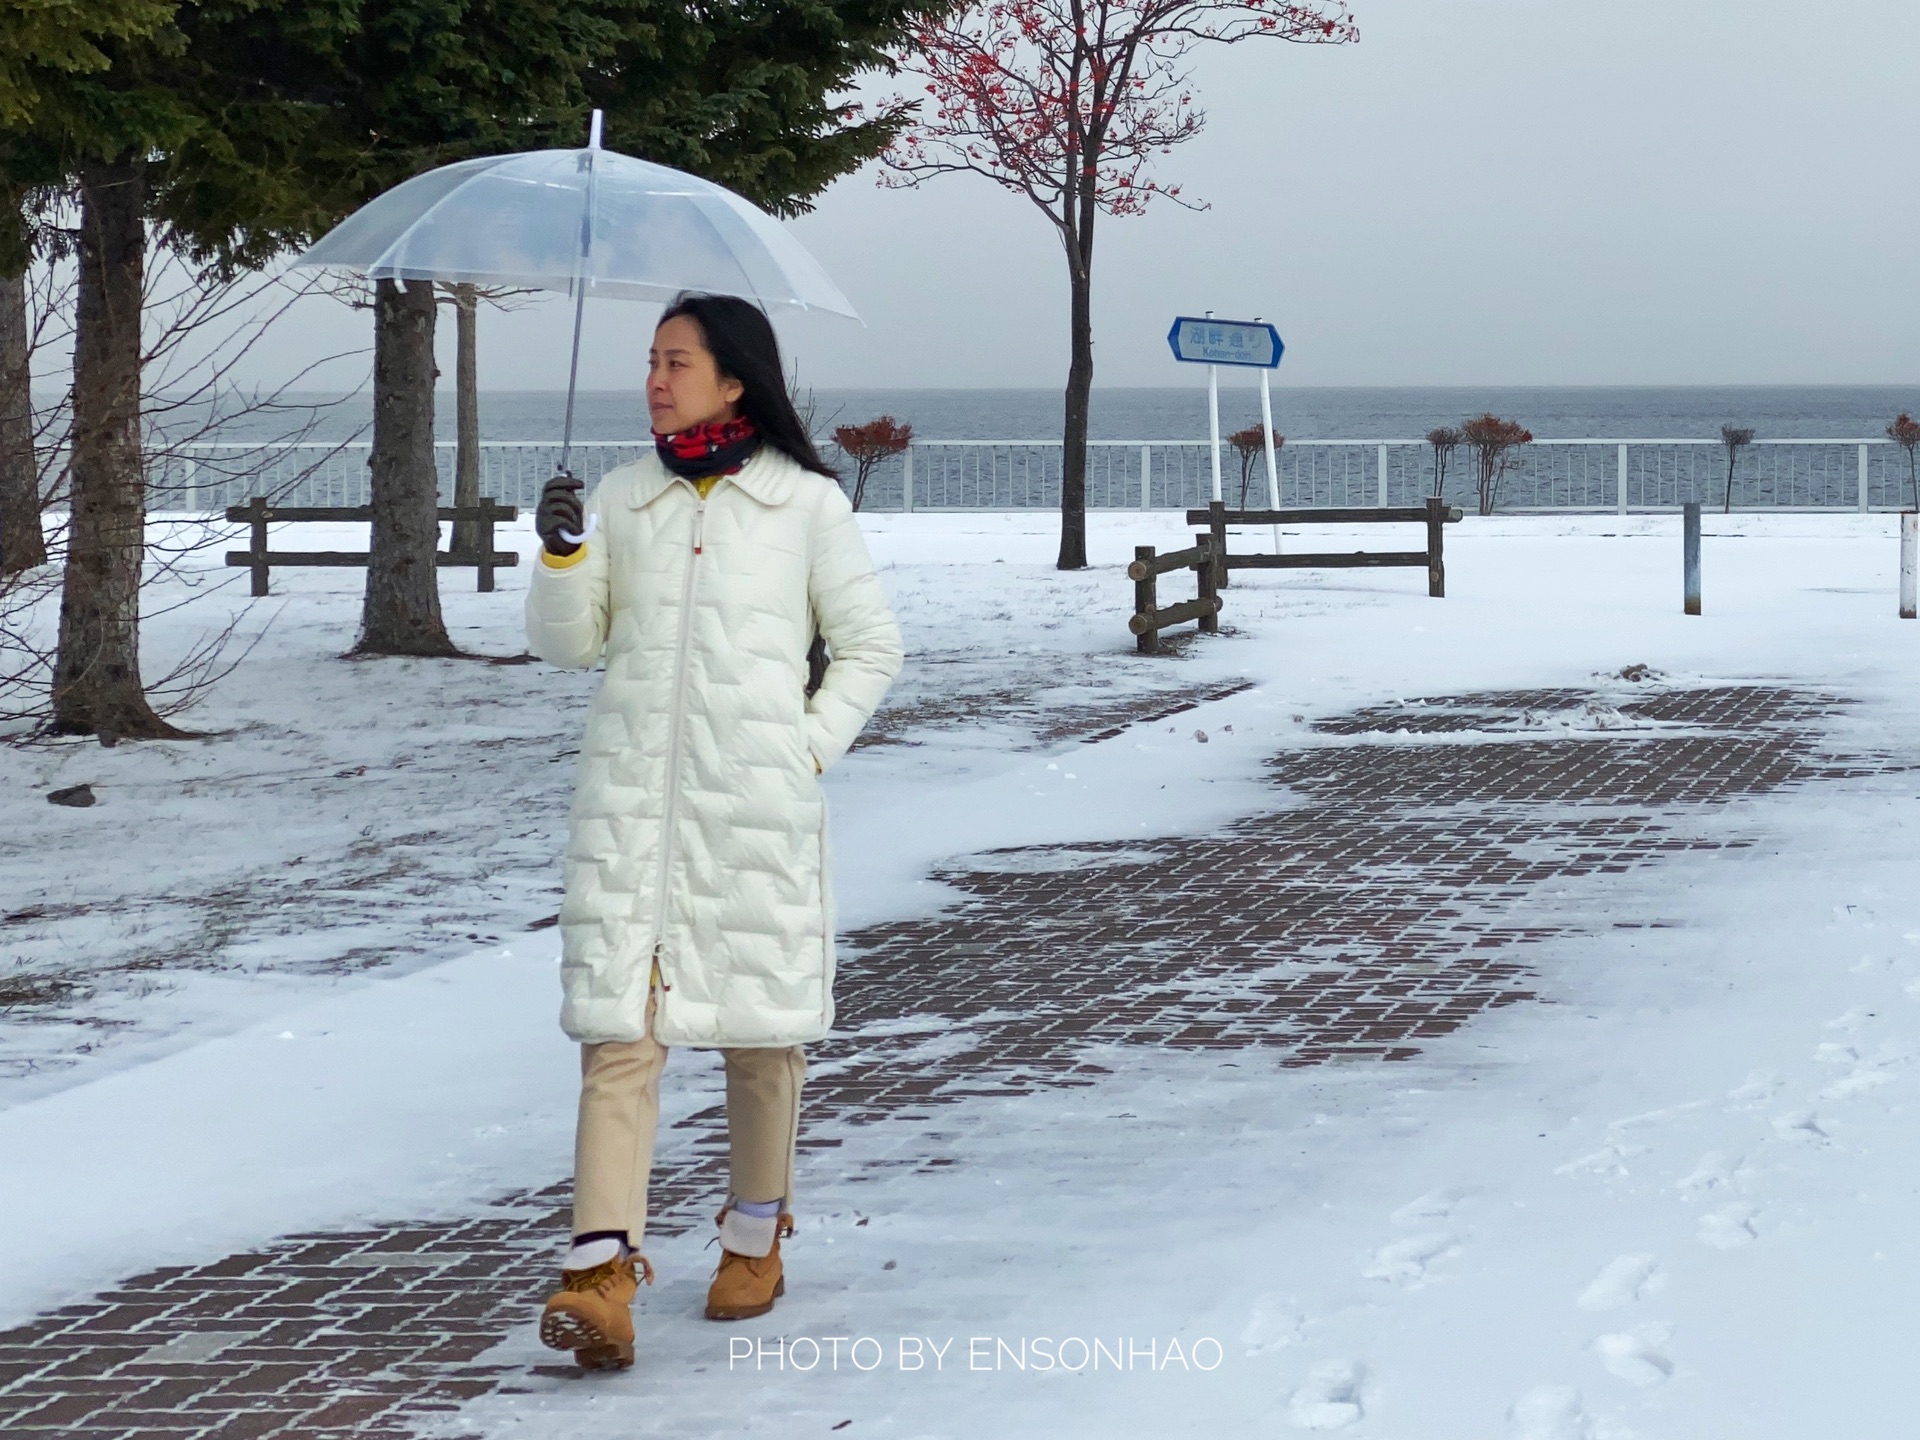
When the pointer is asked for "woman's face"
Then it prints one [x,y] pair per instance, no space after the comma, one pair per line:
[684,386]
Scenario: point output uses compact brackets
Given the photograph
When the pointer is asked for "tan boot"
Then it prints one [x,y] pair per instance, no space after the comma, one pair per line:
[591,1313]
[747,1285]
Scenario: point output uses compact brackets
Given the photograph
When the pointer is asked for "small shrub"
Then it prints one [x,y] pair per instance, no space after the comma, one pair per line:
[1250,444]
[1734,439]
[867,445]
[1905,432]
[1492,441]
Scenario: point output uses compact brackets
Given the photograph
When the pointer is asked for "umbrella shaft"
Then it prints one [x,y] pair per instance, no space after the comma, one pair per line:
[573,373]
[580,291]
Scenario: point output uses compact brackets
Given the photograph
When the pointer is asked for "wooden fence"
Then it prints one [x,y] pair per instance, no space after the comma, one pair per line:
[1212,562]
[259,514]
[1435,515]
[1145,572]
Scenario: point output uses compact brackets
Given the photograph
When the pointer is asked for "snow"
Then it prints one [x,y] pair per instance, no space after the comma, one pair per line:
[1673,1199]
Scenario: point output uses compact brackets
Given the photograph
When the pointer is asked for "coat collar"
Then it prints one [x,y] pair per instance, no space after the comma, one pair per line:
[768,477]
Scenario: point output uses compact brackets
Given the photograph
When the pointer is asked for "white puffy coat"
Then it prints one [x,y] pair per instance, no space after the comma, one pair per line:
[699,830]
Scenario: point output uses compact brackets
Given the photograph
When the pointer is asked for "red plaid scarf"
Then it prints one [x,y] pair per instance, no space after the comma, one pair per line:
[703,450]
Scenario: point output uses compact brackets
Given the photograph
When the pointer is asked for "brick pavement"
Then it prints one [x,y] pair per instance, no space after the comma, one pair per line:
[1384,904]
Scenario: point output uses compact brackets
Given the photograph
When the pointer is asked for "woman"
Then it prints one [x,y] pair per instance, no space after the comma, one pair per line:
[699,903]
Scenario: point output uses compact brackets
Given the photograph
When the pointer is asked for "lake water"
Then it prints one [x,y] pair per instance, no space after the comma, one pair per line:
[1772,412]
[1178,471]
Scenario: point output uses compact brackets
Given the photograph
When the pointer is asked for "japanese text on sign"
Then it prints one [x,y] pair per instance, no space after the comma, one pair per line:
[1225,342]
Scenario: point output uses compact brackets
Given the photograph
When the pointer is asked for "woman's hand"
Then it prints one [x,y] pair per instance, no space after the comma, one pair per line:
[560,509]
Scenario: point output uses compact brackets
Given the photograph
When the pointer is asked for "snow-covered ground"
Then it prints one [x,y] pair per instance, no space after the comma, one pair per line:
[1674,1200]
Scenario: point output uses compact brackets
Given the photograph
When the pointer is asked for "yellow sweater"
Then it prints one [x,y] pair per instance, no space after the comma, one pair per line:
[566,562]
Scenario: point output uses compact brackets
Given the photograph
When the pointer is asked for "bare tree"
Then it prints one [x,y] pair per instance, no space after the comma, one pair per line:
[867,445]
[465,300]
[198,328]
[1492,441]
[23,545]
[97,689]
[1735,439]
[1444,440]
[1905,432]
[1250,445]
[401,613]
[466,415]
[1069,104]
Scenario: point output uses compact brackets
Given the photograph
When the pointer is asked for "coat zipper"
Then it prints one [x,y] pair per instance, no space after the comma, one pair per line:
[674,724]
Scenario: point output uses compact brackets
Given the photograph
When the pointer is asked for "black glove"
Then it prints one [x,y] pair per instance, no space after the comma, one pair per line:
[560,509]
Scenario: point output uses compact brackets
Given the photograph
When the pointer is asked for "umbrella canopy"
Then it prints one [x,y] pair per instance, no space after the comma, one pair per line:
[589,222]
[550,219]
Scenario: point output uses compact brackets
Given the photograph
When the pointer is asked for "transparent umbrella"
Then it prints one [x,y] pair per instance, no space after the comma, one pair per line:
[586,222]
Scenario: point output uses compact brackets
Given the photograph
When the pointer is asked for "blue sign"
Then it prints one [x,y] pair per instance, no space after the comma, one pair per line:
[1226,342]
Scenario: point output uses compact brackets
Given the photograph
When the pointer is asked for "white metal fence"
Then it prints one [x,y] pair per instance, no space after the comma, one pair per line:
[1547,475]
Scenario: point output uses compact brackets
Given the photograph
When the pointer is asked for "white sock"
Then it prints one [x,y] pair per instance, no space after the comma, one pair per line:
[760,1209]
[594,1252]
[747,1234]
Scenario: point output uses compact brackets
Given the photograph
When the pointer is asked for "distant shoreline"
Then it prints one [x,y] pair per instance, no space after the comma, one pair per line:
[1164,413]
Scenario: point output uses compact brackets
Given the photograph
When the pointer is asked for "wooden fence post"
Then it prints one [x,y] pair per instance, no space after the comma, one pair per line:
[1146,601]
[257,548]
[486,544]
[1207,573]
[1217,524]
[1690,556]
[1436,556]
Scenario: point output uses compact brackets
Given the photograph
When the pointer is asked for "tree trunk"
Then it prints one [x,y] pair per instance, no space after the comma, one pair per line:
[1073,450]
[23,544]
[401,615]
[97,688]
[466,410]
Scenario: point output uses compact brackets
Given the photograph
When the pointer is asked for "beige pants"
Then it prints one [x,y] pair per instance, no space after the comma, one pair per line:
[620,1115]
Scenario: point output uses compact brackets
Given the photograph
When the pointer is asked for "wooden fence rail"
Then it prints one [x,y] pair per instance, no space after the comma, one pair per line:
[1145,572]
[259,514]
[1435,515]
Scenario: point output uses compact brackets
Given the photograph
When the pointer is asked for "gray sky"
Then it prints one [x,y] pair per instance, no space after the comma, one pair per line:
[1479,192]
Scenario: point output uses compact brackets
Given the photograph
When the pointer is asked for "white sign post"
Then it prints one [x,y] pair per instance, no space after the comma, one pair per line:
[1203,340]
[1213,422]
[1273,464]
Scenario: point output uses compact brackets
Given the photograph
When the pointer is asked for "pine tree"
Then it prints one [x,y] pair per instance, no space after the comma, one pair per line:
[108,121]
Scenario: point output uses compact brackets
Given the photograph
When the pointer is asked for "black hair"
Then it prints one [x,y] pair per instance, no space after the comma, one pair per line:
[744,347]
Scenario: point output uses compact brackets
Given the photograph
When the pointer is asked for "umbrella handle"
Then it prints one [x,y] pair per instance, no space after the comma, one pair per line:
[593,524]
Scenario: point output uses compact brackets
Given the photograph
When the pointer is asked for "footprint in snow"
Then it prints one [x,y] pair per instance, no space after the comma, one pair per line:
[1648,1119]
[1550,1412]
[1802,1127]
[1858,1082]
[1637,1356]
[1271,1326]
[1608,1160]
[1760,1086]
[1405,1262]
[1434,1206]
[1863,1074]
[1330,1400]
[1715,1170]
[1621,1282]
[1729,1228]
